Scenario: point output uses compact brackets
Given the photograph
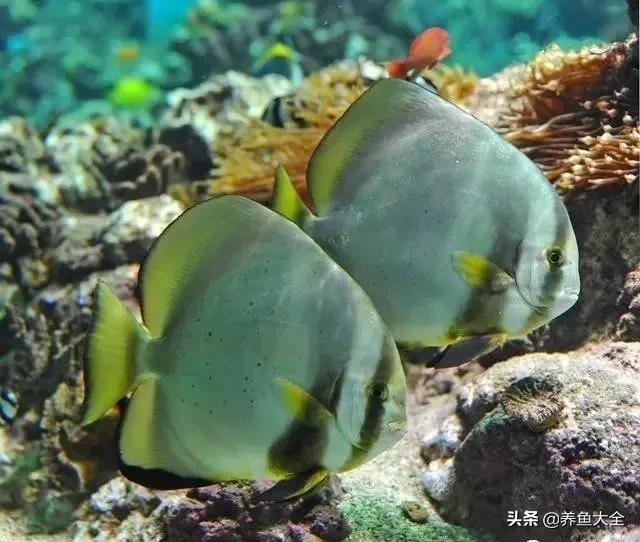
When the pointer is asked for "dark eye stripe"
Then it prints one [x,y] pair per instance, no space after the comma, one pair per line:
[301,446]
[374,411]
[552,281]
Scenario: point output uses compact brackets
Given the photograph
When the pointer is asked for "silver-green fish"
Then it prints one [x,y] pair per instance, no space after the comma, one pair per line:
[456,235]
[258,358]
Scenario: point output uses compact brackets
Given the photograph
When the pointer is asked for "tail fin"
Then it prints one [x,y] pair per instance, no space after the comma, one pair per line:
[111,349]
[397,69]
[286,200]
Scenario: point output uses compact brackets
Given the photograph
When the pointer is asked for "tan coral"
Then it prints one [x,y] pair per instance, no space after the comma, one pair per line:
[575,115]
[246,157]
[247,160]
[454,83]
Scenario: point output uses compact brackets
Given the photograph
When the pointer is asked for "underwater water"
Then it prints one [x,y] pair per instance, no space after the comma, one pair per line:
[306,271]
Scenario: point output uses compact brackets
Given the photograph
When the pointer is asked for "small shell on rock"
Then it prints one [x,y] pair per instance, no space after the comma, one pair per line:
[414,511]
[535,402]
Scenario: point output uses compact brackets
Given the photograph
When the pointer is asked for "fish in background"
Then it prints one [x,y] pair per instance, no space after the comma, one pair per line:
[457,237]
[258,358]
[15,43]
[126,53]
[162,16]
[280,59]
[431,46]
[8,406]
[133,92]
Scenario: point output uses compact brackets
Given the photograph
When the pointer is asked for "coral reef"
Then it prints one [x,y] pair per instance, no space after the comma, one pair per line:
[27,229]
[84,196]
[628,328]
[576,115]
[586,460]
[246,157]
[86,153]
[454,83]
[41,335]
[219,513]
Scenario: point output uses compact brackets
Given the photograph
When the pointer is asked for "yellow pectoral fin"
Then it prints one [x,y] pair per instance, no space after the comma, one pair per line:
[478,272]
[301,404]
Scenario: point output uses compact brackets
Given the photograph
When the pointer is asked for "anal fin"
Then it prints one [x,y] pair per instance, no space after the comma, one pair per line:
[466,349]
[297,486]
[142,456]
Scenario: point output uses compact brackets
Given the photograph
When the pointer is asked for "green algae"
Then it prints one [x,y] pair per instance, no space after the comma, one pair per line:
[378,517]
[50,514]
[14,482]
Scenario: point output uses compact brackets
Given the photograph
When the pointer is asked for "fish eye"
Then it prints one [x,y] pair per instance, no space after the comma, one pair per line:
[378,391]
[555,256]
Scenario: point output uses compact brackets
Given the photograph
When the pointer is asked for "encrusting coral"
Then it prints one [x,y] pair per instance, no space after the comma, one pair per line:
[576,115]
[628,328]
[28,227]
[105,163]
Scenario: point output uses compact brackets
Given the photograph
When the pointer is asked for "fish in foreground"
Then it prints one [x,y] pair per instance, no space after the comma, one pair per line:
[456,235]
[424,52]
[258,358]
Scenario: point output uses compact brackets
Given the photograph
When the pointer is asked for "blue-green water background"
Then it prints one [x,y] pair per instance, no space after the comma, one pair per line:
[63,55]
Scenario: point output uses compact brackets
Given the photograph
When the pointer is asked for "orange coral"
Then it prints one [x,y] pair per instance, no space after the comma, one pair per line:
[246,158]
[575,115]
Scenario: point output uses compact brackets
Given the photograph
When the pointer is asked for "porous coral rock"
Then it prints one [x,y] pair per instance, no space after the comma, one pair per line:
[28,228]
[588,462]
[25,165]
[20,146]
[43,365]
[129,231]
[95,242]
[142,173]
[121,510]
[80,150]
[628,328]
[104,162]
[226,99]
[186,140]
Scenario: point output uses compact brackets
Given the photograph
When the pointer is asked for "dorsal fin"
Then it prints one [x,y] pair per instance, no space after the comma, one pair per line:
[286,200]
[211,230]
[358,133]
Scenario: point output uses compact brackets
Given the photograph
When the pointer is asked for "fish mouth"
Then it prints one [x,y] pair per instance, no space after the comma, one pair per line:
[571,296]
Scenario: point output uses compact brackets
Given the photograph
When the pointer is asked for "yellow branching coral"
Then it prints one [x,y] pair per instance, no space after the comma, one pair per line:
[453,83]
[576,115]
[246,157]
